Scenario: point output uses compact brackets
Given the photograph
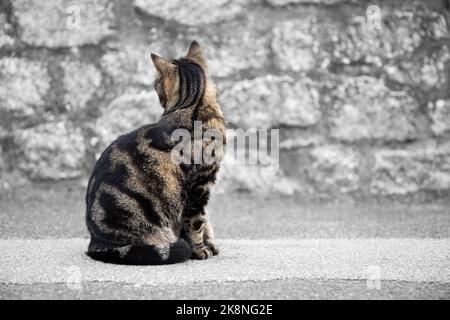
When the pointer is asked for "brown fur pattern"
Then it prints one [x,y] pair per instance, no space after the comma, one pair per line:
[142,207]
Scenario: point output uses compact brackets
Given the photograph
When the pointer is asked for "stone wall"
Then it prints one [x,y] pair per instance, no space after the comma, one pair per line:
[363,107]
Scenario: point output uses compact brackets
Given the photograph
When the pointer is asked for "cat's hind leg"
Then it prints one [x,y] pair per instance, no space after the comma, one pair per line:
[158,247]
[170,253]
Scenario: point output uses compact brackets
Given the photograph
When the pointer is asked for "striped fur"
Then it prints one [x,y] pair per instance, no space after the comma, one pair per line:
[142,208]
[192,83]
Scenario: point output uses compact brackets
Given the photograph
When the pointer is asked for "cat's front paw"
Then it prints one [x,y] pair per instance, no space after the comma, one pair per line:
[202,253]
[212,247]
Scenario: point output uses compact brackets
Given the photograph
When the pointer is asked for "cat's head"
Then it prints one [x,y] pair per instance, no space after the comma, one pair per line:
[183,82]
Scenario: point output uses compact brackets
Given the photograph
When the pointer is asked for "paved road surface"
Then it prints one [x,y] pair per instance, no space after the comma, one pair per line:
[271,248]
[414,260]
[374,262]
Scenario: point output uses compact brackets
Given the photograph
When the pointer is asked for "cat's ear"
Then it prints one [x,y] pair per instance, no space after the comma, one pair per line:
[162,65]
[195,52]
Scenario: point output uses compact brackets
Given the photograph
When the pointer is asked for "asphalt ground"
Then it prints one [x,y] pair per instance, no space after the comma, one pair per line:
[271,248]
[58,211]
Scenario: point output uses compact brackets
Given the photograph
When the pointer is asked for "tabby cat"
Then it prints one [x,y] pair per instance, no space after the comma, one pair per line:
[142,207]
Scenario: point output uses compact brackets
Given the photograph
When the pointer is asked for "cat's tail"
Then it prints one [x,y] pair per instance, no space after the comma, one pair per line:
[143,255]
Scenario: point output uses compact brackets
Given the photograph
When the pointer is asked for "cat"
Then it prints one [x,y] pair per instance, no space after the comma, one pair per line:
[142,208]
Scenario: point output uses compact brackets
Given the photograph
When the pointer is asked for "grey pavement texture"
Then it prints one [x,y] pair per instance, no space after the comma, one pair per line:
[62,261]
[57,211]
[273,289]
[57,260]
[272,248]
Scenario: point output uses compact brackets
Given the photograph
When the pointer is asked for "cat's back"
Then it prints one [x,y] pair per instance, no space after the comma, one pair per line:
[133,152]
[131,173]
